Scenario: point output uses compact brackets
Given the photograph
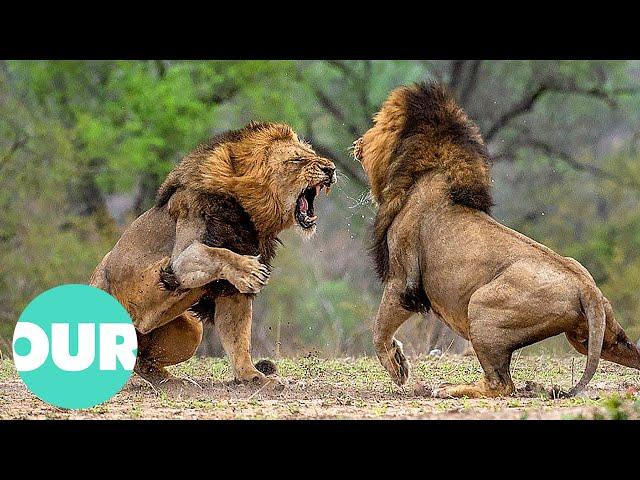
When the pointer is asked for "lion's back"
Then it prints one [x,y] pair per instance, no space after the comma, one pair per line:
[148,239]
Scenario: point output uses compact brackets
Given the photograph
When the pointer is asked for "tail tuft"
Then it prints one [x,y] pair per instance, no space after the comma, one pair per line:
[267,367]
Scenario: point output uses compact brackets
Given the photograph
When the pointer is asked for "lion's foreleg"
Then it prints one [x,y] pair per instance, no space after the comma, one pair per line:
[233,324]
[389,318]
[195,264]
[199,264]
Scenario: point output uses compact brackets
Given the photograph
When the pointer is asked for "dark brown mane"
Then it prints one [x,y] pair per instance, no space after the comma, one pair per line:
[229,223]
[437,136]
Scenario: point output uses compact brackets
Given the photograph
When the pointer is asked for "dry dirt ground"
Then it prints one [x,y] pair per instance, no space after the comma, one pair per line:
[351,389]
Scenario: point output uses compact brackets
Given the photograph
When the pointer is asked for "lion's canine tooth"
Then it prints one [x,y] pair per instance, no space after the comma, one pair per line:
[328,190]
[318,189]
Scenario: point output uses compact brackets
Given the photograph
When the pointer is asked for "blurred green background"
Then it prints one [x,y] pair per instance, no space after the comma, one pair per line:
[85,144]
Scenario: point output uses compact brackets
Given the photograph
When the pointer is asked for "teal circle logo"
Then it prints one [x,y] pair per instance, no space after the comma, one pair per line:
[74,346]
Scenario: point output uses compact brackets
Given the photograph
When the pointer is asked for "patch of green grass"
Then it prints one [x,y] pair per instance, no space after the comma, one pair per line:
[379,410]
[294,408]
[7,370]
[616,408]
[612,407]
[168,401]
[135,412]
[200,404]
[215,369]
[514,403]
[579,416]
[99,409]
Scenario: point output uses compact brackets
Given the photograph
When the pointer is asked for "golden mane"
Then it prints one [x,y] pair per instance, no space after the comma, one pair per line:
[419,130]
[235,163]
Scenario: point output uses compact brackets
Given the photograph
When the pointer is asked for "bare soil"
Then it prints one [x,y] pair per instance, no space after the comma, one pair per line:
[351,389]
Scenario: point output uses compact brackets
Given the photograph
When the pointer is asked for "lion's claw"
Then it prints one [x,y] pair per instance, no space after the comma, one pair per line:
[249,276]
[395,362]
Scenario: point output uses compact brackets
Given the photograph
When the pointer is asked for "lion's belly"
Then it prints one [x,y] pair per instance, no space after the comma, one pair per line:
[457,322]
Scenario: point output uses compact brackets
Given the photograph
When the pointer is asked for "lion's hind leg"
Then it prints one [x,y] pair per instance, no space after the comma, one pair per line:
[170,344]
[496,381]
[493,351]
[493,345]
[505,315]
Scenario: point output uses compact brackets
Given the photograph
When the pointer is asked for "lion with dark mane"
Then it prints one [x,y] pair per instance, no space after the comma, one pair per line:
[204,249]
[436,247]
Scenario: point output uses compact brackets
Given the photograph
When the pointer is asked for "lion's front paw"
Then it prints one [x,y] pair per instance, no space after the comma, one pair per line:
[262,382]
[272,384]
[248,275]
[394,361]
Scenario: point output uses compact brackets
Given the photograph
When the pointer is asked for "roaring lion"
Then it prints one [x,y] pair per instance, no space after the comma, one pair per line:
[437,247]
[204,249]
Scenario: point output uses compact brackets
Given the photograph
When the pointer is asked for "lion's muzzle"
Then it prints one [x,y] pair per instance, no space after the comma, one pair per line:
[304,212]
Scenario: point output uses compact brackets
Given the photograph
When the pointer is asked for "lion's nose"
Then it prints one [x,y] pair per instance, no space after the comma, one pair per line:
[330,171]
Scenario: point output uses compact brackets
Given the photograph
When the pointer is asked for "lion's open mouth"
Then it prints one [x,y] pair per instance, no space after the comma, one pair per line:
[304,205]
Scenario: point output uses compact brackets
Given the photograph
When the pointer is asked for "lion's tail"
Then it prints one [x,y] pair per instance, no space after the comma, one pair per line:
[593,306]
[621,350]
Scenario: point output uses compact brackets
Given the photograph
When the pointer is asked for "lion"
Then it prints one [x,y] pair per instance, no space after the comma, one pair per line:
[205,248]
[436,246]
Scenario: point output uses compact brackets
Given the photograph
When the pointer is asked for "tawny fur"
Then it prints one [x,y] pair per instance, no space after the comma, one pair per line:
[180,258]
[437,247]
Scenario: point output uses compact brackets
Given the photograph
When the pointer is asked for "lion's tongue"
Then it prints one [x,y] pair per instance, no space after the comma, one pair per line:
[304,206]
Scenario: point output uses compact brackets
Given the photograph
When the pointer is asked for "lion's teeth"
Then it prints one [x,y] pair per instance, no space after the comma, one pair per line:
[328,190]
[318,189]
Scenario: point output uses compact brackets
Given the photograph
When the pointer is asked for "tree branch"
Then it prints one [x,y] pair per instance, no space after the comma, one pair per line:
[347,71]
[17,144]
[364,88]
[552,151]
[597,92]
[218,98]
[333,109]
[456,73]
[528,102]
[472,81]
[555,153]
[359,82]
[525,105]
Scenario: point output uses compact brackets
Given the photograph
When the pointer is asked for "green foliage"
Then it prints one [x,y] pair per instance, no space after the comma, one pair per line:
[613,406]
[73,134]
[151,116]
[316,312]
